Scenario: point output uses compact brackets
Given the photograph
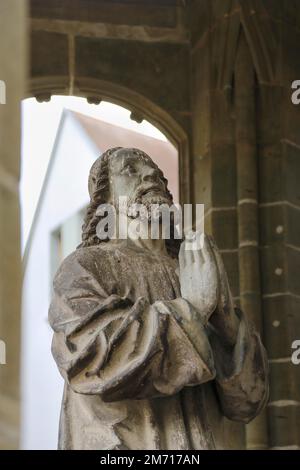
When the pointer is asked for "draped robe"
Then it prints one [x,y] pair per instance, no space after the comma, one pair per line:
[136,375]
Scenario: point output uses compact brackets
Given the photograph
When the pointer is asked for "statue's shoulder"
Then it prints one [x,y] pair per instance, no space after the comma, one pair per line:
[85,258]
[81,266]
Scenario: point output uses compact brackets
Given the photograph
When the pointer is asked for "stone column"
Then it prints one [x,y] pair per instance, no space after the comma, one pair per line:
[279,169]
[247,201]
[214,152]
[12,74]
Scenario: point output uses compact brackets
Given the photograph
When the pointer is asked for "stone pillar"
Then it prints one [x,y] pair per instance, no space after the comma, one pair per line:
[214,153]
[12,73]
[247,200]
[279,170]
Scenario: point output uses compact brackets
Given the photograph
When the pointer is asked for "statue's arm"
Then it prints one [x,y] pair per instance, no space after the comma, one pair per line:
[239,356]
[104,344]
[241,372]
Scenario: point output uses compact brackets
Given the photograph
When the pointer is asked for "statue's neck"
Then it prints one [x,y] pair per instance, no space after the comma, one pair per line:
[155,246]
[145,242]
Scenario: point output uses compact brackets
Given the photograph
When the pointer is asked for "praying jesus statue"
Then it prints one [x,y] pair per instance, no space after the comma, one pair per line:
[153,352]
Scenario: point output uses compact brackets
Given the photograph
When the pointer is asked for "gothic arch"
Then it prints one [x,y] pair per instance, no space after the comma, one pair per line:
[252,18]
[96,90]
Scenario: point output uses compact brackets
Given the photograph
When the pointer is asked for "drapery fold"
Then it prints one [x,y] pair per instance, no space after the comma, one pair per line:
[123,350]
[119,345]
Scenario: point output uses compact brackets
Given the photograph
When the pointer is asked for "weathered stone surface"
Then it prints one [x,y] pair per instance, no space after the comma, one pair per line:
[292,225]
[286,382]
[274,272]
[13,54]
[223,175]
[205,17]
[156,320]
[282,324]
[247,222]
[269,123]
[167,68]
[270,218]
[154,13]
[202,180]
[271,184]
[201,108]
[10,321]
[51,64]
[290,65]
[284,422]
[225,233]
[232,268]
[293,267]
[274,8]
[199,20]
[248,276]
[291,171]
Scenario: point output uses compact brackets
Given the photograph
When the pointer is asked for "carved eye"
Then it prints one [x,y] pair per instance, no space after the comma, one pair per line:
[129,170]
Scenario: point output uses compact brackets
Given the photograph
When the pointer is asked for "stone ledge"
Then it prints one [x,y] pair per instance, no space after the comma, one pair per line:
[122,32]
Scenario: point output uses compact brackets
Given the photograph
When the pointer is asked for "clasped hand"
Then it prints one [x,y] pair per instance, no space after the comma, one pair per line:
[203,279]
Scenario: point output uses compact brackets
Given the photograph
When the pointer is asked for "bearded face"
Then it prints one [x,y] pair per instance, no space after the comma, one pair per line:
[130,174]
[134,175]
[151,199]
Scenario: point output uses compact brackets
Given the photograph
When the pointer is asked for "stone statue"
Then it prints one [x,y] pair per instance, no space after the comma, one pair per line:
[152,350]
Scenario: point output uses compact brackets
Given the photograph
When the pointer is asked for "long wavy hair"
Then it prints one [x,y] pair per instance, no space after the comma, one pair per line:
[99,194]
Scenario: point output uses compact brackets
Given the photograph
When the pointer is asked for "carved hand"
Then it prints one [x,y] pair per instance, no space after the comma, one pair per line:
[198,275]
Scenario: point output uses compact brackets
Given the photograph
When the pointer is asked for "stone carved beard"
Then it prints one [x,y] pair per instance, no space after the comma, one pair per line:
[154,194]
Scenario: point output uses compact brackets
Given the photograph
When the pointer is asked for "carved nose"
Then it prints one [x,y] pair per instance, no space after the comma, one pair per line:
[150,175]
